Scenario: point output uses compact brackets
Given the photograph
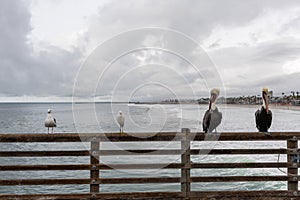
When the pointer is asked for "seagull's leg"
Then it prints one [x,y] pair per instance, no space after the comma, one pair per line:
[52,129]
[120,130]
[48,130]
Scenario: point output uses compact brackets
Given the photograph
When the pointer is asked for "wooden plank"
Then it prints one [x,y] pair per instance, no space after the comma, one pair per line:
[161,136]
[140,166]
[44,181]
[261,194]
[293,183]
[89,167]
[88,137]
[44,196]
[94,173]
[44,167]
[43,153]
[125,195]
[248,136]
[89,181]
[186,163]
[238,151]
[143,166]
[238,178]
[240,165]
[237,195]
[138,180]
[140,152]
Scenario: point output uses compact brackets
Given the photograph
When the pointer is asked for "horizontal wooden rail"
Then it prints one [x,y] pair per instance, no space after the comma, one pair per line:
[237,195]
[146,180]
[116,195]
[142,152]
[89,167]
[43,153]
[205,195]
[89,181]
[134,137]
[146,166]
[239,178]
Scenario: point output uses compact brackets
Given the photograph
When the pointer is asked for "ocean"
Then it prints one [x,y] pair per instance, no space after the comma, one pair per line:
[100,117]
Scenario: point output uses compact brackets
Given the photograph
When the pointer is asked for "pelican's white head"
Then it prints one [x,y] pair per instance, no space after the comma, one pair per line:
[265,90]
[215,91]
[49,110]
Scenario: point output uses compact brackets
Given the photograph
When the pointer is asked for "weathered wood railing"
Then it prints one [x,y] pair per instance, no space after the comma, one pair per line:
[185,179]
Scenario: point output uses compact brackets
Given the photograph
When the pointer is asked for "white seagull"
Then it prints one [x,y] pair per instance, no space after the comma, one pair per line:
[121,120]
[50,122]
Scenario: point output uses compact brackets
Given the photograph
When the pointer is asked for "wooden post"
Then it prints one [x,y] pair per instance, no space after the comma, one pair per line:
[186,163]
[293,160]
[94,160]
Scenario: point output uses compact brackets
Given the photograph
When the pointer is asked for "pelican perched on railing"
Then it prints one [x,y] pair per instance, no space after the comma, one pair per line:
[212,117]
[50,122]
[263,116]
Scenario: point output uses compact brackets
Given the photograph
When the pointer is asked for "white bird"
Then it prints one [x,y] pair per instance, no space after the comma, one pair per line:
[50,122]
[121,120]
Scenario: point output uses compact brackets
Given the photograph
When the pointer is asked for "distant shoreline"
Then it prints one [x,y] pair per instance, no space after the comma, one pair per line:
[272,106]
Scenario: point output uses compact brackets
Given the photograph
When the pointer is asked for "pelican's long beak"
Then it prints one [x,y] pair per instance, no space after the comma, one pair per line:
[212,99]
[265,95]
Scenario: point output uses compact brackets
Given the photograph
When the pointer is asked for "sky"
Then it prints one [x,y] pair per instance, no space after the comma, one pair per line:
[55,50]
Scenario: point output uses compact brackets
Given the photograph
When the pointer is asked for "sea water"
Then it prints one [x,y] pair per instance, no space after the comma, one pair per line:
[101,117]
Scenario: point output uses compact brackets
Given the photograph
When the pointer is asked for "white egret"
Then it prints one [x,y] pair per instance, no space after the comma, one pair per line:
[121,120]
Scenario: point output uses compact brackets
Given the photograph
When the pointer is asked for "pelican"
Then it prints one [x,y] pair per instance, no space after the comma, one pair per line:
[212,117]
[50,122]
[121,120]
[263,116]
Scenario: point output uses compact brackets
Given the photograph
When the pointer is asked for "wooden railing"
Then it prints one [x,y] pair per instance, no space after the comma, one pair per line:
[95,181]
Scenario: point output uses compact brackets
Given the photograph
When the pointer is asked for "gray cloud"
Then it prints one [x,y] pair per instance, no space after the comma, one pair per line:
[25,71]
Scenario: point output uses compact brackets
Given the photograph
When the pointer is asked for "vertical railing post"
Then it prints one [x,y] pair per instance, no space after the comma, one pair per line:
[94,174]
[293,160]
[186,163]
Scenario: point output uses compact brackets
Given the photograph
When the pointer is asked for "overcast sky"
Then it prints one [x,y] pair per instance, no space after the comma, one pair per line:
[53,49]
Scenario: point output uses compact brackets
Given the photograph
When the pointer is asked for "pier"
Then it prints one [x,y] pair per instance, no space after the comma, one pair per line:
[185,179]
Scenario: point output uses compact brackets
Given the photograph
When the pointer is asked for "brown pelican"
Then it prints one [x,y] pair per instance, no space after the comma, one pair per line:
[121,121]
[212,117]
[263,116]
[50,122]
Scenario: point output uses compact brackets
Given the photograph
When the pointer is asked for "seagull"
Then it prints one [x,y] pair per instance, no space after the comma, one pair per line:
[263,116]
[50,122]
[121,120]
[212,117]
